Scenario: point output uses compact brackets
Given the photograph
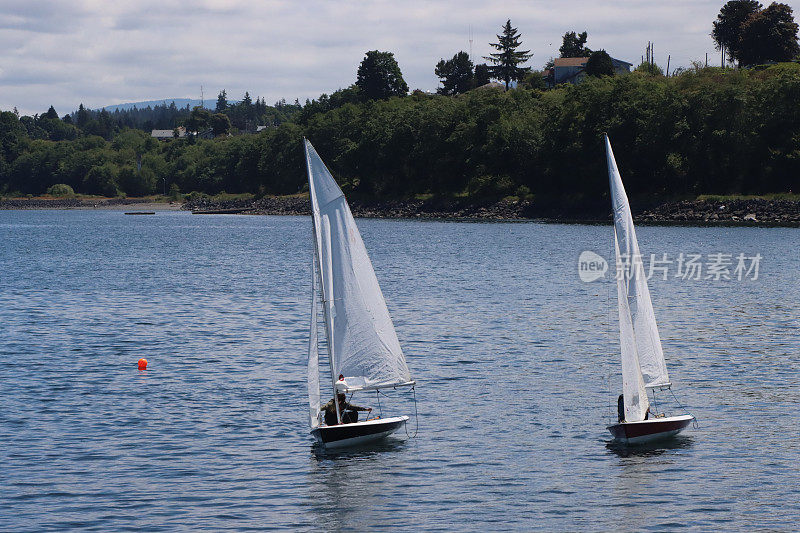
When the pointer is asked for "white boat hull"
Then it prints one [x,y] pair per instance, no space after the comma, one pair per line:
[646,431]
[357,433]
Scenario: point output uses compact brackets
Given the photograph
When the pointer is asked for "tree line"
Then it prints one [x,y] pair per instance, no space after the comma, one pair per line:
[706,130]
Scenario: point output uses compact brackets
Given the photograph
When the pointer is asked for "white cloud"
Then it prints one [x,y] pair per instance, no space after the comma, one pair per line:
[102,53]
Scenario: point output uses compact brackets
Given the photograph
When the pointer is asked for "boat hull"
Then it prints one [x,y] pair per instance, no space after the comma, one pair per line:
[357,433]
[651,430]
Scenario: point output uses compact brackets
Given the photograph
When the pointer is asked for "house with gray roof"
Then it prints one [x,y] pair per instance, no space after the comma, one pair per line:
[573,69]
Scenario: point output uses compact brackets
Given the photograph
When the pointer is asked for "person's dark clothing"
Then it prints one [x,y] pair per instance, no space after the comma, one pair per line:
[348,410]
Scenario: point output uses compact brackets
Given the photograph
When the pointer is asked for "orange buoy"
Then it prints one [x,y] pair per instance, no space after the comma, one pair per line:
[142,364]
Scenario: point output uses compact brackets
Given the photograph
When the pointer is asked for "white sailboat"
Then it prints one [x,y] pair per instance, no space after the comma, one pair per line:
[363,350]
[643,365]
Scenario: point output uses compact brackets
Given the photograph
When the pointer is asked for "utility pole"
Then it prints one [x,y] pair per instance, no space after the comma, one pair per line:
[202,100]
[668,58]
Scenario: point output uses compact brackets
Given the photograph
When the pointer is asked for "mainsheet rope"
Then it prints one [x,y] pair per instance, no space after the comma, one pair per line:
[416,412]
[695,423]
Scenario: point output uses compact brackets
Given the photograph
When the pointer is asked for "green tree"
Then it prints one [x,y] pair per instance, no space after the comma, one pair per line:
[506,61]
[455,74]
[599,64]
[220,123]
[769,35]
[574,45]
[135,183]
[222,102]
[533,80]
[482,74]
[51,113]
[728,27]
[12,136]
[102,180]
[379,76]
[82,116]
[199,119]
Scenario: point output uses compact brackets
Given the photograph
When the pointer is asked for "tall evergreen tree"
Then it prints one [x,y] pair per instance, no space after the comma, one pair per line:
[51,113]
[222,102]
[482,75]
[82,117]
[506,61]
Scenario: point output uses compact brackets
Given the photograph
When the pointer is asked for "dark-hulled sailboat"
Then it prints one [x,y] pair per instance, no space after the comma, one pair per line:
[643,365]
[363,350]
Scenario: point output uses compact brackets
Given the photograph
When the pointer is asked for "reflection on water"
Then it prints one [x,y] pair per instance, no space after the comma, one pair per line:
[347,488]
[510,349]
[650,449]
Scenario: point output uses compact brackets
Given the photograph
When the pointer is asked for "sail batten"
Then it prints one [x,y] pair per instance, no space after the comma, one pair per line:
[642,335]
[363,345]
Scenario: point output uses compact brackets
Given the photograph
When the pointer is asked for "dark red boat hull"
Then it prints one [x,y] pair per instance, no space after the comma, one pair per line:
[650,430]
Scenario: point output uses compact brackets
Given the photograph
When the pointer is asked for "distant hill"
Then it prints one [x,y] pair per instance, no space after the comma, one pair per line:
[179,102]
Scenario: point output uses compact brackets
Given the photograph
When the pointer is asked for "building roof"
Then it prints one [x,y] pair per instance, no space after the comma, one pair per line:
[580,61]
[168,134]
[492,85]
[570,61]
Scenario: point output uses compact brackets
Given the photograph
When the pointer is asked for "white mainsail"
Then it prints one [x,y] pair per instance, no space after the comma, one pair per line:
[313,351]
[635,306]
[362,343]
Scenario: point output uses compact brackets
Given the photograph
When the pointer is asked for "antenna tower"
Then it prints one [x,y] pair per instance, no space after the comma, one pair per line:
[470,42]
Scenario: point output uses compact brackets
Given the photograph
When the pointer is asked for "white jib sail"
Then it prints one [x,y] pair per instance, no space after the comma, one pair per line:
[631,270]
[633,391]
[363,345]
[313,352]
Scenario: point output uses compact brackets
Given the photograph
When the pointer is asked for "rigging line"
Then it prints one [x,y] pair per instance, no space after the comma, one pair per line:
[416,416]
[695,423]
[655,402]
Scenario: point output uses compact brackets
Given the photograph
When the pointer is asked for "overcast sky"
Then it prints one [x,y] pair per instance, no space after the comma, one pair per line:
[99,52]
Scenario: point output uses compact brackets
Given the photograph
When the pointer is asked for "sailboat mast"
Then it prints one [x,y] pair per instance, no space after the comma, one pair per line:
[326,303]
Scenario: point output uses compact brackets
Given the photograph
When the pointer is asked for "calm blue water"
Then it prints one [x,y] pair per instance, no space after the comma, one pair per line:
[516,358]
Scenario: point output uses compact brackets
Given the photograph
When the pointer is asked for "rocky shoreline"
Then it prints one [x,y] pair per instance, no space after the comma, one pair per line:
[82,203]
[756,211]
[737,212]
[299,205]
[744,212]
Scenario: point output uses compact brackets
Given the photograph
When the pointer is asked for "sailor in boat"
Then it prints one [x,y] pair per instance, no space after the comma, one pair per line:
[348,410]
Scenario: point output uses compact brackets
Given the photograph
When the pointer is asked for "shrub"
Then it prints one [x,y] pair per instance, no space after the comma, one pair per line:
[649,69]
[61,190]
